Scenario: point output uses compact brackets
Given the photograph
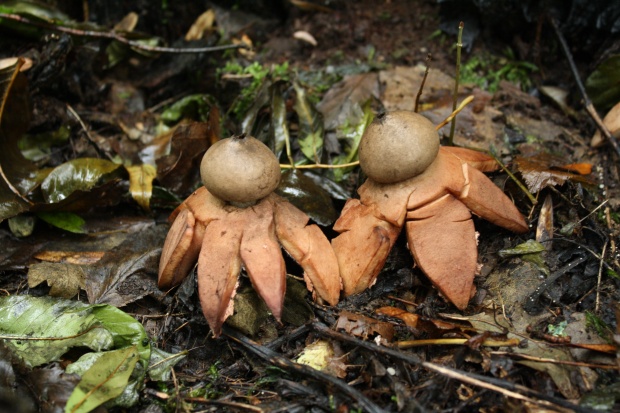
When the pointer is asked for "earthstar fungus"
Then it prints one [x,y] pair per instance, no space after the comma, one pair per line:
[414,182]
[236,220]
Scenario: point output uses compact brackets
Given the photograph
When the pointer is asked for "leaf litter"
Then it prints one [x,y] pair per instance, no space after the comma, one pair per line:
[512,292]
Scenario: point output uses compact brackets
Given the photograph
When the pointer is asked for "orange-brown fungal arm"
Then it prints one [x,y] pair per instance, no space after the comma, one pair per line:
[442,238]
[310,248]
[262,256]
[486,200]
[180,251]
[219,265]
[363,245]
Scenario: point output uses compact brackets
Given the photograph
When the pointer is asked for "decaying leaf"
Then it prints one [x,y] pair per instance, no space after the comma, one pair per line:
[365,327]
[545,170]
[410,319]
[65,279]
[343,103]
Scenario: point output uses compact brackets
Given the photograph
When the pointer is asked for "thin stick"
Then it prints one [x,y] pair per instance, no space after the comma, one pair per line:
[533,200]
[279,361]
[115,36]
[513,342]
[319,166]
[586,99]
[87,133]
[459,46]
[501,386]
[417,98]
[598,280]
[455,112]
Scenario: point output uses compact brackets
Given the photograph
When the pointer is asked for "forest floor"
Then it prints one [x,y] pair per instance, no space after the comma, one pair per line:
[109,141]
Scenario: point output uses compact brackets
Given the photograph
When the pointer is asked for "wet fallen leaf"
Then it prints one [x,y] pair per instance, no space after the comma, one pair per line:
[602,84]
[178,171]
[65,280]
[70,257]
[365,327]
[306,195]
[543,170]
[141,183]
[343,103]
[64,220]
[81,174]
[106,378]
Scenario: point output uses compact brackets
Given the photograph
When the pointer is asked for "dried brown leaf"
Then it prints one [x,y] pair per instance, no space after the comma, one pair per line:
[543,170]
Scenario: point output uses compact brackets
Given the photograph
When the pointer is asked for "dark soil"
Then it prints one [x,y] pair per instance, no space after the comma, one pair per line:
[232,374]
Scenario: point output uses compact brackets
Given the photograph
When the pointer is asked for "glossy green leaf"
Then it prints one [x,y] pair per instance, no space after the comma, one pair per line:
[196,107]
[80,174]
[106,379]
[310,137]
[64,220]
[603,85]
[44,328]
[309,197]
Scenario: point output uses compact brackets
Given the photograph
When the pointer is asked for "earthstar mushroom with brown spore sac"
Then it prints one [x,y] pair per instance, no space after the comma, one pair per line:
[236,220]
[413,181]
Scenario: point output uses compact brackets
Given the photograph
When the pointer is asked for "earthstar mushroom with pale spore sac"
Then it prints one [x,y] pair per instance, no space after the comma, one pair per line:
[236,220]
[431,189]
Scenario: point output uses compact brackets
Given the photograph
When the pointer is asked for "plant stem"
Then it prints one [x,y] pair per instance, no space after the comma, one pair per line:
[459,46]
[417,98]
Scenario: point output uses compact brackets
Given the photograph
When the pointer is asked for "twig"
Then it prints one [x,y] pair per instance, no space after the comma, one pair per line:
[223,404]
[455,112]
[598,280]
[513,342]
[554,361]
[586,99]
[533,200]
[417,98]
[459,46]
[87,133]
[115,36]
[319,166]
[301,369]
[501,386]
